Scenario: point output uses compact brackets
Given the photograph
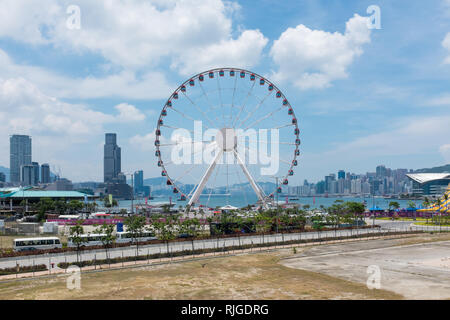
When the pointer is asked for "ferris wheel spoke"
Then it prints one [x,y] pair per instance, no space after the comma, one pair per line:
[207,97]
[182,142]
[250,114]
[232,99]
[186,116]
[282,126]
[243,104]
[219,91]
[198,109]
[263,118]
[176,128]
[277,142]
[185,173]
[284,161]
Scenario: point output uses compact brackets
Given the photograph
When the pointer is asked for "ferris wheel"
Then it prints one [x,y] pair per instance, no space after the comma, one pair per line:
[225,134]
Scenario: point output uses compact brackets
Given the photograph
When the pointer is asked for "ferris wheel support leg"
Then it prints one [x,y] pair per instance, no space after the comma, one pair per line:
[204,180]
[250,179]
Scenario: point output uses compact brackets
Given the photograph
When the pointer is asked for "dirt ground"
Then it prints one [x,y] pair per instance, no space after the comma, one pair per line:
[249,276]
[417,268]
[245,276]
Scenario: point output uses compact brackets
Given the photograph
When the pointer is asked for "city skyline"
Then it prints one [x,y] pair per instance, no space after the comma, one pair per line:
[387,100]
[112,166]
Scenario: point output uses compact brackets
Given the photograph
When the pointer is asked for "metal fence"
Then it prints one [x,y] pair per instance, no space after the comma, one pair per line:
[181,250]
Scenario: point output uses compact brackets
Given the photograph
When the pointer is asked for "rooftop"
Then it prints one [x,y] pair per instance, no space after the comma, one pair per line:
[427,177]
[19,193]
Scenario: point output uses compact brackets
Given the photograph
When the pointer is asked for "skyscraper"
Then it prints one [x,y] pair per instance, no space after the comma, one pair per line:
[341,174]
[381,171]
[139,181]
[20,155]
[45,173]
[27,175]
[112,158]
[36,173]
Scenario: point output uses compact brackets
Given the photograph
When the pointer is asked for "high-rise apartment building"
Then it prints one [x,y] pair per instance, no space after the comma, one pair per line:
[112,157]
[45,173]
[139,181]
[36,173]
[20,155]
[27,175]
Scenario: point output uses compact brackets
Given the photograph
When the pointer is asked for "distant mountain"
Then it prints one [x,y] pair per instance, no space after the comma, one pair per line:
[441,169]
[155,181]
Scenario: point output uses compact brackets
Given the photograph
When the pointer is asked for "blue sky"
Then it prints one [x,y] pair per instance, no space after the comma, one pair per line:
[363,97]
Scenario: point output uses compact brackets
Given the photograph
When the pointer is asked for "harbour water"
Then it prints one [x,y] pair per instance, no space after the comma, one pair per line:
[244,200]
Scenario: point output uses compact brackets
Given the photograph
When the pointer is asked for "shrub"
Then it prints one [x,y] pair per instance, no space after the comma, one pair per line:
[23,269]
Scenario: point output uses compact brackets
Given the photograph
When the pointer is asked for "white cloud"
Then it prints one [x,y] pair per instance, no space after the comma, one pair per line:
[30,111]
[129,113]
[446,45]
[125,84]
[315,58]
[144,142]
[443,100]
[134,37]
[134,34]
[56,126]
[243,52]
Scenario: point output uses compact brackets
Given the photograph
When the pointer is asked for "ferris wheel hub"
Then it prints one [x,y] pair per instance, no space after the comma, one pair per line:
[226,139]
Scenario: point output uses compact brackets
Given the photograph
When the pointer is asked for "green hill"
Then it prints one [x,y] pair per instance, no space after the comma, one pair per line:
[441,169]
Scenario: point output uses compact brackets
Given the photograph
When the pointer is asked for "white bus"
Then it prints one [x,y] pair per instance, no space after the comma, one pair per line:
[88,240]
[70,217]
[124,237]
[29,244]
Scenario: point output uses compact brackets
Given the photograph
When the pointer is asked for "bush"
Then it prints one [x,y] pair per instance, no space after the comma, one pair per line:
[23,269]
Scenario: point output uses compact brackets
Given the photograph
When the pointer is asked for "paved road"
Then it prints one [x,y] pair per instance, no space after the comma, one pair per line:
[48,259]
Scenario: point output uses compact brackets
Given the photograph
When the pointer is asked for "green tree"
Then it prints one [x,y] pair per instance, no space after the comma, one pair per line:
[60,206]
[135,227]
[411,204]
[393,205]
[92,206]
[166,229]
[74,206]
[190,227]
[109,204]
[108,237]
[44,206]
[76,232]
[356,209]
[335,215]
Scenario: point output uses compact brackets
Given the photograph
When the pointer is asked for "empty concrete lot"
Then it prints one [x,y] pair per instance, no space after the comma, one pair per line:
[416,271]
